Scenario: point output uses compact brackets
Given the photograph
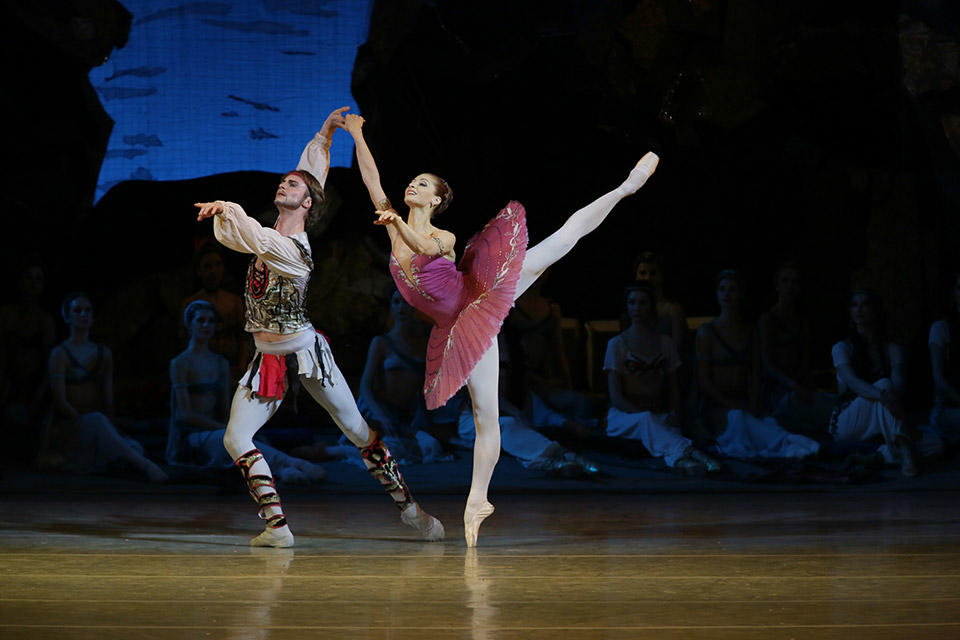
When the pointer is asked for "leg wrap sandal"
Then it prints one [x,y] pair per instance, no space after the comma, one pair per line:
[263,491]
[384,468]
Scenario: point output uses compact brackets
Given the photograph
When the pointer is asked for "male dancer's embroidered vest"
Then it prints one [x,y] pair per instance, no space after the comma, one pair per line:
[275,303]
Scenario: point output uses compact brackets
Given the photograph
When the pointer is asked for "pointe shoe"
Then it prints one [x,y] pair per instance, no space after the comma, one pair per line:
[471,523]
[640,173]
[280,537]
[429,527]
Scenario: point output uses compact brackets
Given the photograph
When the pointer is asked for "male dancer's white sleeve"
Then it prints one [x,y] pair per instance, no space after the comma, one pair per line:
[316,158]
[236,230]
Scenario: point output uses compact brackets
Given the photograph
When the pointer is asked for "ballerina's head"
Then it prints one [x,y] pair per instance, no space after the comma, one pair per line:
[429,191]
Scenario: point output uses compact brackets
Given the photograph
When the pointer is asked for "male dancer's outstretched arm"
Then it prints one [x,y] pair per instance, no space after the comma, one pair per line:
[234,229]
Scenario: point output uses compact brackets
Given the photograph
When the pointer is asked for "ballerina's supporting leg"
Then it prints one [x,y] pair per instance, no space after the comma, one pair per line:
[483,386]
[582,222]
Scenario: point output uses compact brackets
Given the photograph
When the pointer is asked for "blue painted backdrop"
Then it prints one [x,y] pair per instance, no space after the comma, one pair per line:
[209,87]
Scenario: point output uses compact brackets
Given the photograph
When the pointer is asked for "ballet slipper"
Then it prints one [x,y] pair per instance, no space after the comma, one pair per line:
[280,537]
[471,522]
[429,527]
[639,175]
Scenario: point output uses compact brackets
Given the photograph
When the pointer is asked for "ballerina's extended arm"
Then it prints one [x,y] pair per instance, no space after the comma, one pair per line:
[438,244]
[368,168]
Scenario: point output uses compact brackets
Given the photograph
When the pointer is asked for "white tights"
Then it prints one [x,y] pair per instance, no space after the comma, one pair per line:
[483,382]
[248,413]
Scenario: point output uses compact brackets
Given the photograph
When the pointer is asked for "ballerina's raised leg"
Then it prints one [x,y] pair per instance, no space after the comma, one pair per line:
[580,223]
[483,383]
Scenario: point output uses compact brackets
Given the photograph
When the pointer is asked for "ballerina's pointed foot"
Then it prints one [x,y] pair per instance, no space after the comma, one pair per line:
[280,537]
[472,522]
[640,174]
[429,527]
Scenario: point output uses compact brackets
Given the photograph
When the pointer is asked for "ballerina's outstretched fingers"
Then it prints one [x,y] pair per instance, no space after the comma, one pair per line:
[468,302]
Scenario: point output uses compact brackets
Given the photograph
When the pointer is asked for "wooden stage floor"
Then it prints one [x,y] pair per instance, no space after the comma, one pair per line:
[836,565]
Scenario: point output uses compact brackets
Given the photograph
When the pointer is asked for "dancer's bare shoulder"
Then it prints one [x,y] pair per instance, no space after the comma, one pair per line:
[447,242]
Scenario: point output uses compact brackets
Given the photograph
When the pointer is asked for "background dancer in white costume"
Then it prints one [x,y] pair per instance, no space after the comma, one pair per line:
[289,350]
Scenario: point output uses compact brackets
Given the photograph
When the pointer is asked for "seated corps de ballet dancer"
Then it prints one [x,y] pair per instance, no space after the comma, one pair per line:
[870,380]
[82,437]
[788,391]
[288,349]
[641,365]
[469,302]
[728,374]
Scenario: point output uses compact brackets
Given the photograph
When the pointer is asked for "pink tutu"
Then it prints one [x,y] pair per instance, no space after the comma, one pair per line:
[467,303]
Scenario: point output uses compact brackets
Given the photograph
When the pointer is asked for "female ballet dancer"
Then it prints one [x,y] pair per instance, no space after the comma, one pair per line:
[469,302]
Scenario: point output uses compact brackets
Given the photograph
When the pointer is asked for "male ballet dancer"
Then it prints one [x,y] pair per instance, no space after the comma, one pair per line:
[289,351]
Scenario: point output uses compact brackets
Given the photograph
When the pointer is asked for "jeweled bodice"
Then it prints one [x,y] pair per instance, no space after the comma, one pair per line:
[434,286]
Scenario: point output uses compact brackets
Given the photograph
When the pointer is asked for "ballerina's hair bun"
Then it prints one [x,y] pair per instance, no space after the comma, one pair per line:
[444,191]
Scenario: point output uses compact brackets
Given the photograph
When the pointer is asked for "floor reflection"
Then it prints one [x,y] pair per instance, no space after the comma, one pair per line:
[259,615]
[483,614]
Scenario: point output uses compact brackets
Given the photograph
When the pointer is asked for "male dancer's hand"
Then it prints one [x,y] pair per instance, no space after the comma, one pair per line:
[208,209]
[334,120]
